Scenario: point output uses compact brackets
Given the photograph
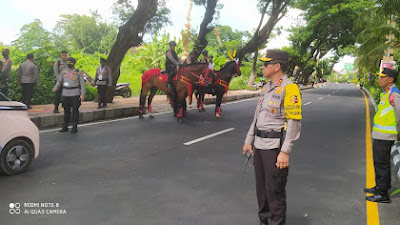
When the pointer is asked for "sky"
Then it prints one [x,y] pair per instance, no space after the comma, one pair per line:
[16,13]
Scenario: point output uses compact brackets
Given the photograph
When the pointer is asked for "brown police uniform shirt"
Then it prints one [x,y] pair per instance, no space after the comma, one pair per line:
[103,76]
[7,63]
[72,81]
[270,115]
[28,72]
[58,68]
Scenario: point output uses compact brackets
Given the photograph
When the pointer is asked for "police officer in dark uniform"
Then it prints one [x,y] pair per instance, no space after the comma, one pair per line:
[73,93]
[275,128]
[172,62]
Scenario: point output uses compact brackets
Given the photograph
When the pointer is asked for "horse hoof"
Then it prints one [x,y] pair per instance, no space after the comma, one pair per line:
[151,117]
[202,110]
[218,115]
[180,119]
[141,116]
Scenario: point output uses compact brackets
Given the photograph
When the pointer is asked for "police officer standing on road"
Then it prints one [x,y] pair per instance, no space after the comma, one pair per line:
[385,132]
[73,93]
[211,62]
[102,80]
[28,75]
[7,63]
[275,128]
[59,66]
[172,62]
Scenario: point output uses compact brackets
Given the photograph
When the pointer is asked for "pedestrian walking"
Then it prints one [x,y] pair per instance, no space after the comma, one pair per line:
[73,94]
[59,66]
[103,79]
[28,76]
[385,132]
[7,63]
[275,128]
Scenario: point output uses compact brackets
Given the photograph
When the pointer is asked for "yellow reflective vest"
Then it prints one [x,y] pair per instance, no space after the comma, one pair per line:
[385,119]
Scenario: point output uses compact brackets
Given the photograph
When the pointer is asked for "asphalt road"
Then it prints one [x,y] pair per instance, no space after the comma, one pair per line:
[140,172]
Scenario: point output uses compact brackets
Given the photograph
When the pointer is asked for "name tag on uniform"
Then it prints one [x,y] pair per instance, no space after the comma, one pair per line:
[66,84]
[101,77]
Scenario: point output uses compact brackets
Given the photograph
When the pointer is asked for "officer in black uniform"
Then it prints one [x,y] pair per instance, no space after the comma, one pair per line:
[172,62]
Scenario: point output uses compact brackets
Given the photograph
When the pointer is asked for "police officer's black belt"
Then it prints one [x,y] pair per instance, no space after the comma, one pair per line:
[71,88]
[267,133]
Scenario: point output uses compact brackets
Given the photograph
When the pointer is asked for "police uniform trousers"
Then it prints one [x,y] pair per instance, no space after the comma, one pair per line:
[57,99]
[171,73]
[381,153]
[27,93]
[71,102]
[270,186]
[101,91]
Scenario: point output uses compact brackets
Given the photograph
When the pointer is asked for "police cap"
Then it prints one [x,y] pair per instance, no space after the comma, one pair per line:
[389,73]
[275,55]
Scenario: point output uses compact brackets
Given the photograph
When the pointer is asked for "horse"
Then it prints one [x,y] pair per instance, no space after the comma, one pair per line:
[218,87]
[155,79]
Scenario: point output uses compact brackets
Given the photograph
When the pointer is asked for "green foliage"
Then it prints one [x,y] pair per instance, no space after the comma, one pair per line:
[87,33]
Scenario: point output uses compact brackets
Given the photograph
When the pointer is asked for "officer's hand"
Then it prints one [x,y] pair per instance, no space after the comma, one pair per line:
[282,161]
[82,98]
[248,148]
[54,90]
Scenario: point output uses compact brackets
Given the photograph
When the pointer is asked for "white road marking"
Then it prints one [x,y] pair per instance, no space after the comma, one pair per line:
[307,103]
[208,136]
[321,98]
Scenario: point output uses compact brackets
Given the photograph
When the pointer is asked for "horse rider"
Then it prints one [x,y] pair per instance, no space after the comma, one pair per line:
[205,56]
[191,59]
[172,62]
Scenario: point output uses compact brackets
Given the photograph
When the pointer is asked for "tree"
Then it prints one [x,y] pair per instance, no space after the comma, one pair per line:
[330,27]
[130,34]
[201,41]
[87,33]
[124,9]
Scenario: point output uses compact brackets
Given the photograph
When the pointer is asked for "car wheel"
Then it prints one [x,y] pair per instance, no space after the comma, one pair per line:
[16,157]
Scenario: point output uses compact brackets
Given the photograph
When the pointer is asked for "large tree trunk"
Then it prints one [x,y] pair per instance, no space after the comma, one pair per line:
[129,35]
[278,10]
[201,41]
[253,74]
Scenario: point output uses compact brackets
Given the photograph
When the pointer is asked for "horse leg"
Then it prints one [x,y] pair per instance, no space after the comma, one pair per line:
[150,99]
[201,106]
[184,108]
[197,94]
[143,95]
[218,105]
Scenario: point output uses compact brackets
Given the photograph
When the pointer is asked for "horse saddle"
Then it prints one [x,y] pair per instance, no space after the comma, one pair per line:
[163,77]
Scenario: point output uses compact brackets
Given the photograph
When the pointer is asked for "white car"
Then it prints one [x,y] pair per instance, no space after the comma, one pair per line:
[19,137]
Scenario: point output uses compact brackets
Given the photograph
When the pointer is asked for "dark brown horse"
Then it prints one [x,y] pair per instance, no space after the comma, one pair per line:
[153,80]
[219,86]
